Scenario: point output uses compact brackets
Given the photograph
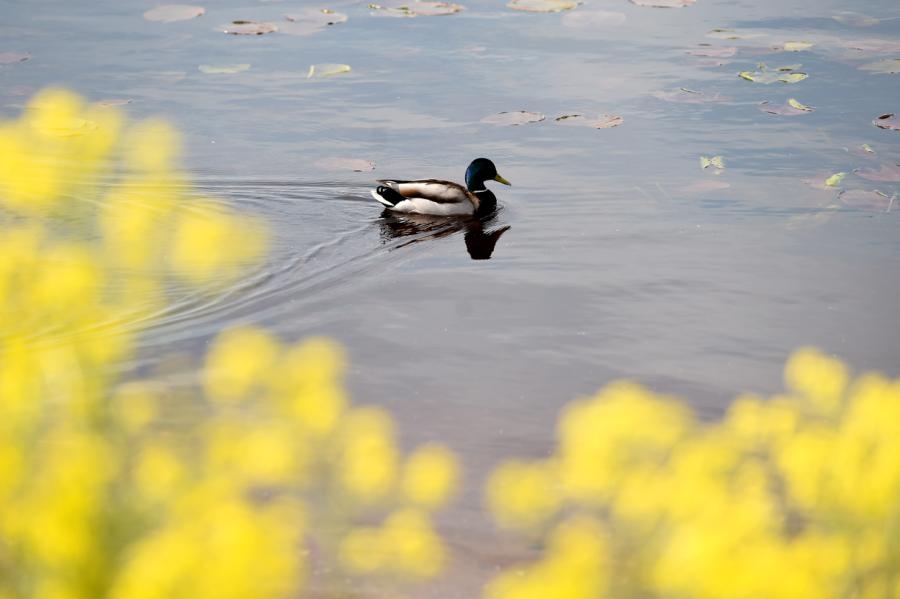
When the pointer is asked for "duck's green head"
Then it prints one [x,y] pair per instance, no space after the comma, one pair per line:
[482,170]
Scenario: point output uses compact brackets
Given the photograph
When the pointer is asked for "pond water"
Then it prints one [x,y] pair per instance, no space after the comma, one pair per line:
[614,254]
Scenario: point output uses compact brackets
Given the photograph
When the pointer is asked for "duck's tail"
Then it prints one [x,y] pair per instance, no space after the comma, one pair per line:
[386,196]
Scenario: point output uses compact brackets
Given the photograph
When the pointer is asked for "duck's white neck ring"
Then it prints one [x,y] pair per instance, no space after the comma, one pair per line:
[478,190]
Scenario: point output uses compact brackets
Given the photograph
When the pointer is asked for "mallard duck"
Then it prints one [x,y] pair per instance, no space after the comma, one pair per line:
[442,198]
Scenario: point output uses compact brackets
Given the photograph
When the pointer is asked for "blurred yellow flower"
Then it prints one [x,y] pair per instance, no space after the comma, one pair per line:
[430,476]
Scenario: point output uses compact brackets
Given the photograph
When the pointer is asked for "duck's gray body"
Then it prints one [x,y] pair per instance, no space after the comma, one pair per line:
[427,196]
[442,198]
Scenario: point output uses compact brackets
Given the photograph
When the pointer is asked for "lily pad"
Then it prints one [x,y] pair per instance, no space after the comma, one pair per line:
[603,121]
[169,13]
[855,19]
[780,75]
[887,121]
[876,46]
[887,172]
[791,108]
[796,46]
[716,162]
[593,18]
[889,66]
[242,27]
[14,57]
[684,95]
[542,5]
[317,16]
[337,163]
[516,117]
[707,51]
[663,3]
[734,34]
[862,199]
[327,70]
[114,102]
[835,179]
[224,69]
[416,9]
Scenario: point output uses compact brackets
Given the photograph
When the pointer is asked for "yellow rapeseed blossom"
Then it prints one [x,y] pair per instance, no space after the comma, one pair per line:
[128,490]
[793,497]
[430,475]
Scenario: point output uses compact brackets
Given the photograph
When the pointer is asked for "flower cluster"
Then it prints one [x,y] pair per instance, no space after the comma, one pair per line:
[123,489]
[795,496]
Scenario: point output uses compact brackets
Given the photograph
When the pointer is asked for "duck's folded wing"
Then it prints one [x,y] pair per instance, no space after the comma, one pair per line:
[440,192]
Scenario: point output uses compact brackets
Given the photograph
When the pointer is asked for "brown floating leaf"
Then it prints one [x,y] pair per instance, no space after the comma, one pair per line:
[249,28]
[684,95]
[889,66]
[592,18]
[663,3]
[876,46]
[13,57]
[862,199]
[887,172]
[517,117]
[887,121]
[603,121]
[791,108]
[317,16]
[542,5]
[416,9]
[734,34]
[115,102]
[765,75]
[708,51]
[855,19]
[338,163]
[705,185]
[169,13]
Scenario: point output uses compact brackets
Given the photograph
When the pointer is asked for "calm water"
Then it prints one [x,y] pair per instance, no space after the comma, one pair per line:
[622,258]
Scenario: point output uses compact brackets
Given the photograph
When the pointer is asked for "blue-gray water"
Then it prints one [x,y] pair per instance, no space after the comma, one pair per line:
[622,258]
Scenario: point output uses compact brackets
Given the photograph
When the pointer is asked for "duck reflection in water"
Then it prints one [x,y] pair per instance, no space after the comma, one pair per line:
[480,240]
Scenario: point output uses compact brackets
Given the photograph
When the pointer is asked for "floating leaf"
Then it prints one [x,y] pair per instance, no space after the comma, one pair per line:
[115,102]
[337,163]
[718,162]
[855,19]
[169,13]
[593,18]
[542,5]
[792,108]
[734,34]
[862,199]
[887,172]
[327,70]
[779,75]
[889,66]
[242,27]
[603,121]
[705,185]
[867,149]
[225,69]
[796,46]
[835,179]
[708,51]
[876,46]
[663,3]
[317,16]
[416,9]
[887,121]
[516,117]
[684,95]
[13,57]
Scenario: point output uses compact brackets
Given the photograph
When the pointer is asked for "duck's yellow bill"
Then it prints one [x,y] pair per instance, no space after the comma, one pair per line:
[502,180]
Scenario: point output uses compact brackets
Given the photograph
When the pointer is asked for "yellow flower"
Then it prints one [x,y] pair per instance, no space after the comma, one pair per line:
[818,378]
[239,361]
[367,462]
[523,495]
[430,476]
